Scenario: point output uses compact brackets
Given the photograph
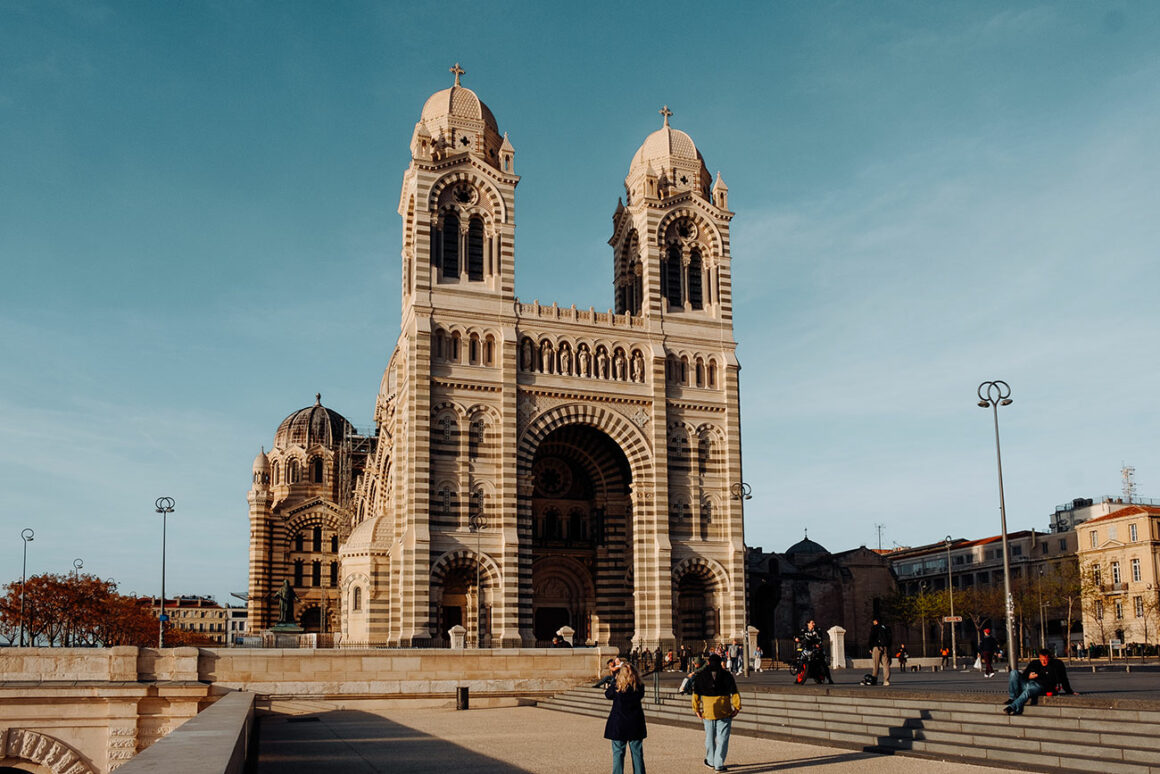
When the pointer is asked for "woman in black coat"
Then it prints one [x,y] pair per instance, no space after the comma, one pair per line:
[625,724]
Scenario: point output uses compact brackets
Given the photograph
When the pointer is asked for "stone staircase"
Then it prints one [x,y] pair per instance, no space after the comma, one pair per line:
[1060,735]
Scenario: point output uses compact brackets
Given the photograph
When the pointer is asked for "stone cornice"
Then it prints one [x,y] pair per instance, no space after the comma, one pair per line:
[690,406]
[585,396]
[462,385]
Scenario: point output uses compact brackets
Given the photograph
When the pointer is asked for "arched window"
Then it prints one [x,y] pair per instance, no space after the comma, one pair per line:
[316,573]
[356,598]
[695,280]
[334,544]
[449,246]
[473,349]
[292,472]
[316,470]
[334,574]
[672,277]
[316,539]
[277,473]
[475,250]
[439,344]
[298,573]
[298,542]
[712,375]
[489,351]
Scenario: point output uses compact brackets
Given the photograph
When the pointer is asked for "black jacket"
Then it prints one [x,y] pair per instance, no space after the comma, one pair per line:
[989,644]
[880,636]
[1050,676]
[810,639]
[626,718]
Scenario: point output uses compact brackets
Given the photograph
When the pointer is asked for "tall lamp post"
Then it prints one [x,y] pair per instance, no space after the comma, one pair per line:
[1042,629]
[475,524]
[951,594]
[992,395]
[164,506]
[26,535]
[741,492]
[78,563]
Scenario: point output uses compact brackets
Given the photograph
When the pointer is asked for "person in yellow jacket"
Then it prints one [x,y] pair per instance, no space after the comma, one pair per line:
[716,702]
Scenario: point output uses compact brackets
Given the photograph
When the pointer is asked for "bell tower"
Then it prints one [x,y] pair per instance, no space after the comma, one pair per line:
[457,203]
[671,233]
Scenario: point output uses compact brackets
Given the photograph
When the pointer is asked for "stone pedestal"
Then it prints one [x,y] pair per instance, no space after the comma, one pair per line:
[458,635]
[566,633]
[837,647]
[751,633]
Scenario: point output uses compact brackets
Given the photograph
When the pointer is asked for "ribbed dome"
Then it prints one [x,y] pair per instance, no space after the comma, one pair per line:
[262,462]
[661,147]
[459,102]
[372,533]
[311,426]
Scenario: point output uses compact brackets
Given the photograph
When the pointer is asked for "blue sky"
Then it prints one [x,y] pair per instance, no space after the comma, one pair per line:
[198,231]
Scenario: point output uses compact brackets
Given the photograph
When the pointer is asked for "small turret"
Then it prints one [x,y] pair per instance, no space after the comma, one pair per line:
[261,470]
[721,193]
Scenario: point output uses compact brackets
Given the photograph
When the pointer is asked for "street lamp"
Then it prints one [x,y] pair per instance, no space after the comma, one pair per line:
[164,506]
[475,524]
[741,492]
[1042,631]
[78,563]
[951,593]
[26,535]
[992,395]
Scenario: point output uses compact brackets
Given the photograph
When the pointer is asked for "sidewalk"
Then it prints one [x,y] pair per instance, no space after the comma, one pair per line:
[295,740]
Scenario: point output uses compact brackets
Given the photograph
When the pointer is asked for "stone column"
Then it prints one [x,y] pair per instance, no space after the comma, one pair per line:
[837,647]
[458,636]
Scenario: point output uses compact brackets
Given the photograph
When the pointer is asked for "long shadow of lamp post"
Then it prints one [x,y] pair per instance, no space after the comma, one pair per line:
[992,395]
[26,535]
[164,506]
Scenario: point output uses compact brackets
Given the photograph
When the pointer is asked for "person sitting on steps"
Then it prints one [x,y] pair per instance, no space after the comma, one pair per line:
[1043,675]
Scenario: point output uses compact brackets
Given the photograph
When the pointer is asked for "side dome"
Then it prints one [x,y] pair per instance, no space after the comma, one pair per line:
[662,147]
[455,121]
[313,426]
[261,463]
[805,549]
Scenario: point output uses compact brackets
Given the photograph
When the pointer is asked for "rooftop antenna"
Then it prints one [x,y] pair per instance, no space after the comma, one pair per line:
[879,528]
[1128,486]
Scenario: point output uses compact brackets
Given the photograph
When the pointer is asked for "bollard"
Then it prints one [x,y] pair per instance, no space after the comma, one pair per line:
[461,698]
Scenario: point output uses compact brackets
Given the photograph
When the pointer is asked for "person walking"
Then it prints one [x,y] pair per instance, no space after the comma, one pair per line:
[902,655]
[716,702]
[736,663]
[879,652]
[988,646]
[945,654]
[625,725]
[757,655]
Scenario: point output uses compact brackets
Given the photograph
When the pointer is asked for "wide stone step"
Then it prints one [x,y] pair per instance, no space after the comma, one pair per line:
[1053,737]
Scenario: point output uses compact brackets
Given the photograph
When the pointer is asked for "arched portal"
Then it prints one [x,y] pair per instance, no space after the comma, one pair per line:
[699,593]
[580,512]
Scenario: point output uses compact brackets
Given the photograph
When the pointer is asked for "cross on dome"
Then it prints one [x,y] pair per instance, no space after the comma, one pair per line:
[663,111]
[457,71]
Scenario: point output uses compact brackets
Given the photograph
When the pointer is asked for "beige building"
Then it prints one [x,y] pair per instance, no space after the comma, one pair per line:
[1119,555]
[202,615]
[532,466]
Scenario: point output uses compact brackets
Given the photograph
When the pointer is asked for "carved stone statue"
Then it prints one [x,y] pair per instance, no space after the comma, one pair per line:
[637,367]
[546,358]
[585,362]
[619,364]
[601,364]
[565,361]
[286,598]
[526,356]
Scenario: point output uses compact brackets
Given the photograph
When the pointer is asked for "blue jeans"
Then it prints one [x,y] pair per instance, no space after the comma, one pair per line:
[636,747]
[1021,690]
[717,741]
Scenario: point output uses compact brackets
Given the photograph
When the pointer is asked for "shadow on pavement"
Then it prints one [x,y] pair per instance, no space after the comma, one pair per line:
[354,742]
[799,763]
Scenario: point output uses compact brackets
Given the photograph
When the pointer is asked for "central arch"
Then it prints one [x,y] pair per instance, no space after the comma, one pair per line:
[576,465]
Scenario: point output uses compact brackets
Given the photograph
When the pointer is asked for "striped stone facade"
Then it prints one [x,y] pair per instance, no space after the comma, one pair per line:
[540,466]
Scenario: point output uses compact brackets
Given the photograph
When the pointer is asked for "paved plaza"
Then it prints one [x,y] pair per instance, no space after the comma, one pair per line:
[527,739]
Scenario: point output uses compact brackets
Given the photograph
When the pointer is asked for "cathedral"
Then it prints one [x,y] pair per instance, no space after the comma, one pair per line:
[531,467]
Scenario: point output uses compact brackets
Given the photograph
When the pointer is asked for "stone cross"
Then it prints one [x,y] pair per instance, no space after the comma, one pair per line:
[457,71]
[663,111]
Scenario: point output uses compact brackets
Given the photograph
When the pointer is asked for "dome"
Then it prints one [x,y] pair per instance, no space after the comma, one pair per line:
[805,549]
[312,426]
[372,534]
[262,462]
[662,145]
[458,102]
